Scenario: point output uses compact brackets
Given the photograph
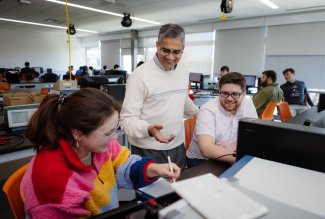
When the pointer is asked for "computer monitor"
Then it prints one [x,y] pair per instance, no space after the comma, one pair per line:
[38,69]
[250,80]
[115,90]
[93,81]
[49,71]
[317,120]
[117,72]
[287,143]
[321,102]
[18,116]
[196,78]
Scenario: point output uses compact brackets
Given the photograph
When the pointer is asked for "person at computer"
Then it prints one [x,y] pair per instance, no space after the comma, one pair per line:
[223,71]
[27,73]
[295,92]
[79,164]
[270,92]
[103,71]
[116,67]
[67,74]
[156,100]
[215,132]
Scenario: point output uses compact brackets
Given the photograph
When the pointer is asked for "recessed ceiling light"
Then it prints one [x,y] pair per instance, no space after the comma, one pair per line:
[270,4]
[44,25]
[101,11]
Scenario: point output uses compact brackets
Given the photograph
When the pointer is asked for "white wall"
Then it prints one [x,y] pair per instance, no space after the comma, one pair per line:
[41,49]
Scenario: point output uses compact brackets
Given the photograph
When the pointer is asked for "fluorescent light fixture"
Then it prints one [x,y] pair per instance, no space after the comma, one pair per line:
[270,4]
[102,11]
[44,25]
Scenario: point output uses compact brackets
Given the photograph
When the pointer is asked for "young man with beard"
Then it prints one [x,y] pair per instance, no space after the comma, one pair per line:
[216,127]
[156,101]
[270,92]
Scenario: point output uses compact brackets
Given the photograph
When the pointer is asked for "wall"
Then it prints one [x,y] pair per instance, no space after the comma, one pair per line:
[41,49]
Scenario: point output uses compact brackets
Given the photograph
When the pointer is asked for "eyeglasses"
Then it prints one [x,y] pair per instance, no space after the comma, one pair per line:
[234,95]
[175,53]
[109,137]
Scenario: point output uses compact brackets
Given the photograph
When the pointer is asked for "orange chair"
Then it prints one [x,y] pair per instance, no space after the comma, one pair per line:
[284,111]
[268,111]
[12,190]
[189,125]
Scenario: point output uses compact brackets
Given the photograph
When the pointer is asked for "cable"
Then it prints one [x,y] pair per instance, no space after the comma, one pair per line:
[232,154]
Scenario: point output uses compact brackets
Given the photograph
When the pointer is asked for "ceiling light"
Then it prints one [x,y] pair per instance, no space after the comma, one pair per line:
[101,11]
[126,20]
[270,4]
[44,25]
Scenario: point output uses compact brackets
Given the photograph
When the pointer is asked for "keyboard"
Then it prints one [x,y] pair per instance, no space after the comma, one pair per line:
[216,198]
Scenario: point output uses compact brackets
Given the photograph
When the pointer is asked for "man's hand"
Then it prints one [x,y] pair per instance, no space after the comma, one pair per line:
[154,131]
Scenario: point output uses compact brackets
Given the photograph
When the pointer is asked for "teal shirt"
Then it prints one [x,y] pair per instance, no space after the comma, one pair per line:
[262,98]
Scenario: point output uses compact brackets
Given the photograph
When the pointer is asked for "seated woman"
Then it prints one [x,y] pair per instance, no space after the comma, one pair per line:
[79,165]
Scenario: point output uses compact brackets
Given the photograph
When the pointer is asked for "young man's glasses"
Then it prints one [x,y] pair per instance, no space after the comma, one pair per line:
[234,95]
[175,53]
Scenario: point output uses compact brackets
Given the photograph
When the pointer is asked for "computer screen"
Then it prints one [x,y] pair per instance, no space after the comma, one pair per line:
[117,72]
[196,77]
[115,90]
[38,69]
[18,116]
[287,143]
[317,120]
[250,80]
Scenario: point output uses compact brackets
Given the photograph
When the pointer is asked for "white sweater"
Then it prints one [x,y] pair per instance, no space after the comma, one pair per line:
[155,96]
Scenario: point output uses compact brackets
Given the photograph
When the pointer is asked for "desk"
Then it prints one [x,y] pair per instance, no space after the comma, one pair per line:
[32,85]
[292,192]
[301,117]
[210,166]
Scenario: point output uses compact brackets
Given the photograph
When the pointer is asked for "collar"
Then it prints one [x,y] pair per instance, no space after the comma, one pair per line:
[72,156]
[158,63]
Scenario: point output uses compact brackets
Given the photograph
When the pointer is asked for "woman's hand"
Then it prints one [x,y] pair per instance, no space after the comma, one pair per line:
[163,170]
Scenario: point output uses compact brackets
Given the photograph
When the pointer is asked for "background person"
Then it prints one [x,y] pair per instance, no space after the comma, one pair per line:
[79,165]
[269,92]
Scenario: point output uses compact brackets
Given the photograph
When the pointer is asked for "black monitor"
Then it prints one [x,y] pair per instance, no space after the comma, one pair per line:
[250,80]
[12,77]
[117,72]
[196,78]
[287,143]
[93,81]
[317,120]
[38,69]
[321,102]
[115,90]
[49,70]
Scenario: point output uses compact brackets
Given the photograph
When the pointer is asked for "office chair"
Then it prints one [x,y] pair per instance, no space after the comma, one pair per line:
[189,125]
[268,111]
[284,111]
[12,190]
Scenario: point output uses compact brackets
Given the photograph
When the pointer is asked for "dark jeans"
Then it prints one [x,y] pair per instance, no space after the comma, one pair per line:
[177,155]
[194,162]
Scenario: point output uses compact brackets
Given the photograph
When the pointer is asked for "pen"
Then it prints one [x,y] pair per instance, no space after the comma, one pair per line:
[170,166]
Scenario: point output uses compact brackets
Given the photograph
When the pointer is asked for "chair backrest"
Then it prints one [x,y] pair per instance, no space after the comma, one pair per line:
[284,111]
[189,125]
[12,190]
[268,111]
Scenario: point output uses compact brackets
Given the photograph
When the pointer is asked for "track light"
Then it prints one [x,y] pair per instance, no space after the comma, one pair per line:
[226,6]
[126,20]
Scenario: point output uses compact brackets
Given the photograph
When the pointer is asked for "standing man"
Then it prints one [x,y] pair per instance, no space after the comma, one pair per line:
[269,92]
[295,91]
[215,134]
[156,101]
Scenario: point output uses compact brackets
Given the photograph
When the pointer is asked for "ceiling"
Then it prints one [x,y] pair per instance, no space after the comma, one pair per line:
[164,11]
